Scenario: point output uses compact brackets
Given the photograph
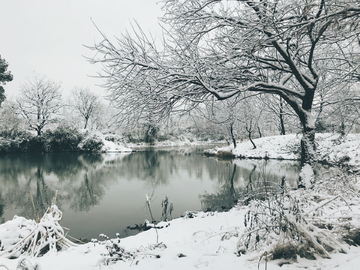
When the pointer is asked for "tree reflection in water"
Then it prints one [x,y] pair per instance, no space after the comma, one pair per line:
[43,196]
[260,175]
[28,183]
[116,184]
[2,205]
[88,194]
[226,196]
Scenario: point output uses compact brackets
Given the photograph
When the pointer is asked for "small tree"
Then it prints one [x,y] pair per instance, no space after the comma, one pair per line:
[5,76]
[86,104]
[224,115]
[39,102]
[11,125]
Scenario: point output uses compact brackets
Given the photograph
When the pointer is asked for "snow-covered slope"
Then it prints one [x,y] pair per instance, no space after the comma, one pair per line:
[331,148]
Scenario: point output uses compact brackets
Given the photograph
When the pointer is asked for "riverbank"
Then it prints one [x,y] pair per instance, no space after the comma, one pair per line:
[197,241]
[332,149]
[211,240]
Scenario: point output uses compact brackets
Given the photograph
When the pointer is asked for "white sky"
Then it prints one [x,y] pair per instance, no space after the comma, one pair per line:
[47,37]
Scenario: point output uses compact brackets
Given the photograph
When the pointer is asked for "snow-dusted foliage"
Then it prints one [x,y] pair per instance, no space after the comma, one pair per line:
[25,264]
[306,176]
[21,236]
[316,221]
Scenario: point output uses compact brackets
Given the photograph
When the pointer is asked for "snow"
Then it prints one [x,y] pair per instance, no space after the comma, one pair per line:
[330,148]
[306,175]
[111,147]
[181,141]
[279,147]
[207,240]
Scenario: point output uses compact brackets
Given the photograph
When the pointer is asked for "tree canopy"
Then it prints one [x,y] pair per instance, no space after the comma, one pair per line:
[39,102]
[5,76]
[85,103]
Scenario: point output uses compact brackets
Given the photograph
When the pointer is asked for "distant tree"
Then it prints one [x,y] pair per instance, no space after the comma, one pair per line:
[5,76]
[224,115]
[11,124]
[279,114]
[39,102]
[85,103]
[250,116]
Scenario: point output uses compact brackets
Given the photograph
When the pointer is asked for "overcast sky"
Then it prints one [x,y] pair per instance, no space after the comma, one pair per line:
[47,36]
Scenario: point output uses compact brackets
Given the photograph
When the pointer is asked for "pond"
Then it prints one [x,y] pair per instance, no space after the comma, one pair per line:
[105,193]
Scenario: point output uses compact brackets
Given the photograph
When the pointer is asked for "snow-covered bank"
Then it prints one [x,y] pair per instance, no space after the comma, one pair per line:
[331,148]
[113,144]
[112,147]
[179,142]
[207,240]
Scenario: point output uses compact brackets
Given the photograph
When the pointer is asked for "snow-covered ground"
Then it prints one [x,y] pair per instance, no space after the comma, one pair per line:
[181,141]
[209,240]
[331,148]
[111,147]
[206,241]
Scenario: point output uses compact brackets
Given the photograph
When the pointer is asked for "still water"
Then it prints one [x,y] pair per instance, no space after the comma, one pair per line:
[105,193]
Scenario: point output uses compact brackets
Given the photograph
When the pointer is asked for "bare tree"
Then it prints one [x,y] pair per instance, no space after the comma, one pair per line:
[85,103]
[222,114]
[249,115]
[39,102]
[279,113]
[224,48]
[10,122]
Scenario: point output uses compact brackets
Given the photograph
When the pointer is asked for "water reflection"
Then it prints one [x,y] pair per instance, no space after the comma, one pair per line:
[239,176]
[226,193]
[105,192]
[88,194]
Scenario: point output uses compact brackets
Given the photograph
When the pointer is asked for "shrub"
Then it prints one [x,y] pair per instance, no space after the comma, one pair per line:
[114,138]
[5,146]
[14,141]
[63,138]
[15,134]
[36,144]
[91,144]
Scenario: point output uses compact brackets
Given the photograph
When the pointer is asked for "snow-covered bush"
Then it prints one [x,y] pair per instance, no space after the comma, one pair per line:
[63,138]
[306,221]
[21,236]
[91,143]
[114,138]
[115,251]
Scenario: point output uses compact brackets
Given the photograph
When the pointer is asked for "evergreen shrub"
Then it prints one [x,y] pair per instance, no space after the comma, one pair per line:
[63,139]
[91,144]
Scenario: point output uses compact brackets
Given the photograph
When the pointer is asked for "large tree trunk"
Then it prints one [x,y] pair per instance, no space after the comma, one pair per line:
[308,149]
[308,153]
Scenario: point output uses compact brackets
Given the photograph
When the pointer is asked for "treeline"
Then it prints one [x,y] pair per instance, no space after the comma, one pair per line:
[62,139]
[40,119]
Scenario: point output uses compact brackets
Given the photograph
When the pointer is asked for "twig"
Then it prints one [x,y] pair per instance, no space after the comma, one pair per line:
[264,254]
[333,199]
